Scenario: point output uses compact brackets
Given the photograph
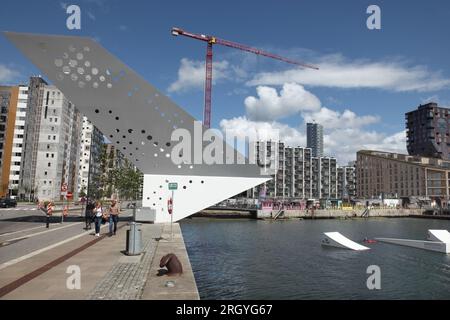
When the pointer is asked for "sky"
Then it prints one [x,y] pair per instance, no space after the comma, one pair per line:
[367,79]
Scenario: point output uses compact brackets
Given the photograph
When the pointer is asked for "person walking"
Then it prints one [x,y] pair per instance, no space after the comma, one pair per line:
[114,211]
[89,214]
[98,212]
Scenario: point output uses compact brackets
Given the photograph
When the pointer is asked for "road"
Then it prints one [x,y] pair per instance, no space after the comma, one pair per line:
[23,232]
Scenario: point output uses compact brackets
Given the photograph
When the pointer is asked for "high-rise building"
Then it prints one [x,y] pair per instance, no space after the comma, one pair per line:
[52,143]
[18,140]
[314,139]
[27,188]
[296,173]
[90,158]
[8,107]
[428,131]
[390,174]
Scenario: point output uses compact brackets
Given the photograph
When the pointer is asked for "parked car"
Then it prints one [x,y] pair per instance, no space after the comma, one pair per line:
[8,203]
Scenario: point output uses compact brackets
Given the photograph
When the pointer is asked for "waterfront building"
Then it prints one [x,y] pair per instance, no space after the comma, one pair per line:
[91,148]
[314,139]
[428,131]
[347,182]
[381,173]
[295,173]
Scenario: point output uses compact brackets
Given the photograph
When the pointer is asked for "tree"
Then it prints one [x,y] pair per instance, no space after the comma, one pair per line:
[128,182]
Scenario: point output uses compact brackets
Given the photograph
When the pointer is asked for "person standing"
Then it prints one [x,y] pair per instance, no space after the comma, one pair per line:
[114,211]
[98,212]
[49,213]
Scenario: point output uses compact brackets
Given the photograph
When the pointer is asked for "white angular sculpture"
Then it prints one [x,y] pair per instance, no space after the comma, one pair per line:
[139,120]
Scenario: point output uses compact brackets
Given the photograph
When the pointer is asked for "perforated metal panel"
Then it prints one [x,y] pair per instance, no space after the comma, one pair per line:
[133,114]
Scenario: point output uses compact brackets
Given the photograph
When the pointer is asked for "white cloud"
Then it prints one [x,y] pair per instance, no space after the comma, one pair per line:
[337,72]
[7,74]
[191,74]
[344,132]
[269,105]
[340,143]
[332,119]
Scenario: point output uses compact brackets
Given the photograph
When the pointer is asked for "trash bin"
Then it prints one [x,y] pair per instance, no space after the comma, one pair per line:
[134,239]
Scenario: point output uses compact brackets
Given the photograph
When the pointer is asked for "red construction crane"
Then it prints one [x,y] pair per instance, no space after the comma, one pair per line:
[210,40]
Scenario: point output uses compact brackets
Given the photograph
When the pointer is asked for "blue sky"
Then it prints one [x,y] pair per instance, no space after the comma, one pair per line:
[367,79]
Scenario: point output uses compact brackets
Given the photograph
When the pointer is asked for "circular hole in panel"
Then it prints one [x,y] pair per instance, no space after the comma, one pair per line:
[117,118]
[87,49]
[130,142]
[160,187]
[74,77]
[142,143]
[179,166]
[155,155]
[80,70]
[149,137]
[97,111]
[87,64]
[160,198]
[117,142]
[148,198]
[191,167]
[184,187]
[167,155]
[130,130]
[66,55]
[190,181]
[143,131]
[108,72]
[124,148]
[138,149]
[117,130]
[102,78]
[154,204]
[80,56]
[73,63]
[154,192]
[131,154]
[60,76]
[110,111]
[109,85]
[161,150]
[202,181]
[95,85]
[124,137]
[59,63]
[88,77]
[111,136]
[94,71]
[66,69]
[81,84]
[155,144]
[168,144]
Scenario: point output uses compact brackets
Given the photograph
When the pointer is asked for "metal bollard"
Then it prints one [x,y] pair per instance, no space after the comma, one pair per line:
[134,239]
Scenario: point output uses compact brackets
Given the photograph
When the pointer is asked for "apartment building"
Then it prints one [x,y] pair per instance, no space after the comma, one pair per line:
[314,139]
[296,173]
[402,175]
[347,182]
[428,131]
[91,149]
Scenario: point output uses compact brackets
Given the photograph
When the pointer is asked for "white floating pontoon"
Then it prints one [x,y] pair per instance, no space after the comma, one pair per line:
[439,235]
[335,239]
[420,244]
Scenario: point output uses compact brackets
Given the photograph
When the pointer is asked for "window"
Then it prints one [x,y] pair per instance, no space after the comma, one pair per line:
[49,164]
[46,155]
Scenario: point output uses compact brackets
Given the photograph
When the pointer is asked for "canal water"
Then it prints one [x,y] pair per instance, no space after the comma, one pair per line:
[254,259]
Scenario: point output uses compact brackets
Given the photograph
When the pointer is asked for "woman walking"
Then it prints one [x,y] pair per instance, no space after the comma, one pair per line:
[98,211]
[114,211]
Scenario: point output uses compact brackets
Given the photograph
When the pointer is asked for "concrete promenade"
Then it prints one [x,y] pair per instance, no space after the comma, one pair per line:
[105,271]
[337,214]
